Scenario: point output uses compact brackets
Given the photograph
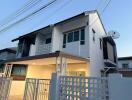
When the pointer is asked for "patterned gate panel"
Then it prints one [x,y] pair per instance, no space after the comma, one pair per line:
[83,88]
[5,84]
[37,89]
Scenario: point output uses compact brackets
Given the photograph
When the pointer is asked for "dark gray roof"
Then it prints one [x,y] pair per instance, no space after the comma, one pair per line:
[50,26]
[10,50]
[125,58]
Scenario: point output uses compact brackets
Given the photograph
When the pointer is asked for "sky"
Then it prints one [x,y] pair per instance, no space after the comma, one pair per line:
[117,16]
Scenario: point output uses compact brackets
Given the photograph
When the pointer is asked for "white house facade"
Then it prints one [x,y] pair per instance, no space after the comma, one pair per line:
[80,35]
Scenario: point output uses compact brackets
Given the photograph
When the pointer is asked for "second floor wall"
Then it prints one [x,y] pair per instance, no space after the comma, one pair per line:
[72,37]
[75,36]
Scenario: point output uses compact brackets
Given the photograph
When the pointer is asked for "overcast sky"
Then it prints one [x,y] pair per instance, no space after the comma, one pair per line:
[118,16]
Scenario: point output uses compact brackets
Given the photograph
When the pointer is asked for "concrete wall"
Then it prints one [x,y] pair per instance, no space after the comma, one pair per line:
[41,72]
[84,67]
[120,62]
[120,88]
[32,50]
[41,47]
[17,90]
[96,53]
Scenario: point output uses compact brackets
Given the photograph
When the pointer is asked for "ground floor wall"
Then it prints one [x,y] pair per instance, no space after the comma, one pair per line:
[80,69]
[45,72]
[17,90]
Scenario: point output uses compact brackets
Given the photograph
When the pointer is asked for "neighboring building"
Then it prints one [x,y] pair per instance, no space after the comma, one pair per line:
[125,66]
[7,53]
[71,47]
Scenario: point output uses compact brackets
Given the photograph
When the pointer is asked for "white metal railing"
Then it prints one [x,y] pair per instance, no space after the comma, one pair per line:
[37,89]
[83,88]
[5,84]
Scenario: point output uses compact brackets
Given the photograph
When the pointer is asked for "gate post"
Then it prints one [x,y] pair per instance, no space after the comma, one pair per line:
[54,89]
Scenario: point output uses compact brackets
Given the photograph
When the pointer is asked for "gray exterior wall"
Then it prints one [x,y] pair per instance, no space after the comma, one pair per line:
[41,47]
[7,55]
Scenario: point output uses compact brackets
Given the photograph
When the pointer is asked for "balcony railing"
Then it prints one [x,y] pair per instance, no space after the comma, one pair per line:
[43,49]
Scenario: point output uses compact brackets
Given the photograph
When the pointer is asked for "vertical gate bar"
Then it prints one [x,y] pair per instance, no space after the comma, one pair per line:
[36,89]
[9,87]
[25,91]
[61,65]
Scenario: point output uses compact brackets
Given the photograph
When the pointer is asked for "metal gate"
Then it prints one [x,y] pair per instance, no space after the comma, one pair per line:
[37,89]
[5,84]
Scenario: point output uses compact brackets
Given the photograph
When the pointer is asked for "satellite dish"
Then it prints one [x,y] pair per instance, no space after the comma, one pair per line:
[114,34]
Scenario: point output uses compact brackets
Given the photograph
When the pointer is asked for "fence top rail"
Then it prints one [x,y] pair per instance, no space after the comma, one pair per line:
[83,77]
[37,79]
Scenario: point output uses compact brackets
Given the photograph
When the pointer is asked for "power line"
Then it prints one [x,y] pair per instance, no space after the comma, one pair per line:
[106,6]
[28,16]
[54,12]
[100,3]
[19,12]
[100,13]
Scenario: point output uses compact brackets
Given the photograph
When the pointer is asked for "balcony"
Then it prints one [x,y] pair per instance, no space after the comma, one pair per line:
[109,52]
[43,49]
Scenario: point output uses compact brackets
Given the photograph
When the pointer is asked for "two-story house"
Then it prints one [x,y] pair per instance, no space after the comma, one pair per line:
[125,66]
[77,46]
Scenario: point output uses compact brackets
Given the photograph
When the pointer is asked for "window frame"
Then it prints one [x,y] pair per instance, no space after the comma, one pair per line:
[64,40]
[101,46]
[48,42]
[17,76]
[124,65]
[72,37]
[2,68]
[80,39]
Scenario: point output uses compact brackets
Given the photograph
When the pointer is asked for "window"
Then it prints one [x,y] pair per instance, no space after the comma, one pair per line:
[73,36]
[82,42]
[93,31]
[64,41]
[76,35]
[70,37]
[2,67]
[100,43]
[125,65]
[48,40]
[93,34]
[19,72]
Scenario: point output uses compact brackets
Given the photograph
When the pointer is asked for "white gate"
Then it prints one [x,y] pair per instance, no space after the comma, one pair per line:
[37,89]
[5,84]
[83,88]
